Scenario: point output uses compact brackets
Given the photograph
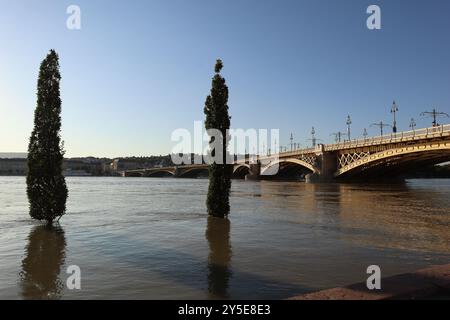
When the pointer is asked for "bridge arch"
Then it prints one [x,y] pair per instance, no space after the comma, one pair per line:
[159,173]
[271,168]
[397,160]
[192,172]
[132,174]
[241,170]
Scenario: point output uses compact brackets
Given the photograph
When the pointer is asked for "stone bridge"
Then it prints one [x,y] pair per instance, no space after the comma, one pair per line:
[375,157]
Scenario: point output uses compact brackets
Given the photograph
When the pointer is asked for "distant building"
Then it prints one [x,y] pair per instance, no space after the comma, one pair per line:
[13,167]
[121,164]
[88,166]
[91,166]
[71,167]
[106,168]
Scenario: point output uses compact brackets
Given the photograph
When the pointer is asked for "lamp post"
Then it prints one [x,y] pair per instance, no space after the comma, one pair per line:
[412,125]
[435,114]
[338,136]
[349,122]
[394,110]
[313,137]
[365,134]
[291,138]
[380,125]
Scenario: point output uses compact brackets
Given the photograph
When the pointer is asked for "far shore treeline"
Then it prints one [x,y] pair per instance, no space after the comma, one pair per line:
[13,165]
[102,167]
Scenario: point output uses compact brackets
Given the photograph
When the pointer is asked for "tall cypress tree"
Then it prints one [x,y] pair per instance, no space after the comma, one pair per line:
[46,186]
[216,111]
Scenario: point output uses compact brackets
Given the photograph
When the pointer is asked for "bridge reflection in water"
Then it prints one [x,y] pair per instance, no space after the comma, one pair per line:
[377,157]
[376,215]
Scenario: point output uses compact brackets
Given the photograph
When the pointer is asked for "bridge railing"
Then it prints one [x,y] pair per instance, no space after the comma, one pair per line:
[419,134]
[295,152]
[424,133]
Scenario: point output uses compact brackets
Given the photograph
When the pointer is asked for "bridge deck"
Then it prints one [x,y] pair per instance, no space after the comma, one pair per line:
[419,135]
[413,135]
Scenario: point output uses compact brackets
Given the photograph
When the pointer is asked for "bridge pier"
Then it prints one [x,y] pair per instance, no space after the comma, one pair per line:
[177,172]
[327,162]
[254,172]
[328,165]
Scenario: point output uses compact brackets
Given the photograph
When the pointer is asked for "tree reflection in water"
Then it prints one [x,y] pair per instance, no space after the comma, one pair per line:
[44,256]
[219,274]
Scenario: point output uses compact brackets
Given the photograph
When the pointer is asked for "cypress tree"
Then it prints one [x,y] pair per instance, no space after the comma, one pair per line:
[216,111]
[46,186]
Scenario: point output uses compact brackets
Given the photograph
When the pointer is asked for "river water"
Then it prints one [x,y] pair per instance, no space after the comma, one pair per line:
[149,238]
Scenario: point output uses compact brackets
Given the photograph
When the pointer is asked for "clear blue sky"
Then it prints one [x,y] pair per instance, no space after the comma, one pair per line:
[137,70]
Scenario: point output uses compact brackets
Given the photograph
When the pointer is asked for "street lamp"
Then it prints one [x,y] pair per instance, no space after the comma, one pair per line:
[394,110]
[291,138]
[338,136]
[349,122]
[412,124]
[435,114]
[380,125]
[313,137]
[365,134]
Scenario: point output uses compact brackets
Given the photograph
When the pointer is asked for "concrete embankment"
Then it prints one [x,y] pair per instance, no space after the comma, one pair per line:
[422,284]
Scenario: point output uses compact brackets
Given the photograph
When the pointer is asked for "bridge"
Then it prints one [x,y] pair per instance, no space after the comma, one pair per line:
[374,157]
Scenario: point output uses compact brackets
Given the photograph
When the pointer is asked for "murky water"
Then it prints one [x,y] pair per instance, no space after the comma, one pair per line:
[138,238]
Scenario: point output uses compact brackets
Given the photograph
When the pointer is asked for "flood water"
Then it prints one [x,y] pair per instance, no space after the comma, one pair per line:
[150,238]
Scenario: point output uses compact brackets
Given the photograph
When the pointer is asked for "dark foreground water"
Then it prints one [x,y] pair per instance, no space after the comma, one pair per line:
[149,238]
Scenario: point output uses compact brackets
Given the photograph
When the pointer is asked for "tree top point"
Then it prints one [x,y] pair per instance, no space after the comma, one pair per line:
[219,65]
[52,54]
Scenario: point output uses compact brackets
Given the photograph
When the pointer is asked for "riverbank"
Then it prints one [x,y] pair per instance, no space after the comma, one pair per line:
[429,283]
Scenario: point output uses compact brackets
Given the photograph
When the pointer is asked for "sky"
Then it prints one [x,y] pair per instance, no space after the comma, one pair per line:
[138,70]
